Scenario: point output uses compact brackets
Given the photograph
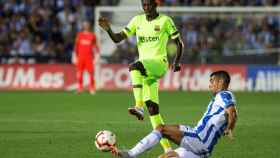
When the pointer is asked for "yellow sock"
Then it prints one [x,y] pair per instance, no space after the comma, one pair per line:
[139,104]
[157,120]
[137,83]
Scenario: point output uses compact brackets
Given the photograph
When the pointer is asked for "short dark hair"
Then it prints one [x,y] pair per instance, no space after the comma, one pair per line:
[154,1]
[223,75]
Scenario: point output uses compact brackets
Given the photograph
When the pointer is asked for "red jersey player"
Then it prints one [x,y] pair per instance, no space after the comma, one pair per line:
[85,55]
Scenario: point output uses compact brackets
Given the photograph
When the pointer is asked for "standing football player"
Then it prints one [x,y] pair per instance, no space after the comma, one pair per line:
[86,53]
[219,119]
[153,30]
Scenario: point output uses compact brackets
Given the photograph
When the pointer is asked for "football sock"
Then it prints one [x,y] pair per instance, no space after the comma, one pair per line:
[91,82]
[157,120]
[80,80]
[146,143]
[137,83]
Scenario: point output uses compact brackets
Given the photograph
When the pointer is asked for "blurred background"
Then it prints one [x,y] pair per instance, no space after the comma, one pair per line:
[41,116]
[43,32]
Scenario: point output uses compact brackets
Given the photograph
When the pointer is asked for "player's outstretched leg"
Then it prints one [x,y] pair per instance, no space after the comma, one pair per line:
[152,139]
[120,153]
[137,72]
[124,154]
[157,120]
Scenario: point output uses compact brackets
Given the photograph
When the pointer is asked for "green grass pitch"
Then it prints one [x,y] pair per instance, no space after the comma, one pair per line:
[63,125]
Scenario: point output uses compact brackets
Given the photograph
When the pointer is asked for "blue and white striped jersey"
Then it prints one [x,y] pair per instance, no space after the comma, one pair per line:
[213,123]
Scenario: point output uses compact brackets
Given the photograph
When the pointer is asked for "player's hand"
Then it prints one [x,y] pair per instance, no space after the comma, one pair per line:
[97,59]
[74,58]
[228,133]
[176,67]
[104,23]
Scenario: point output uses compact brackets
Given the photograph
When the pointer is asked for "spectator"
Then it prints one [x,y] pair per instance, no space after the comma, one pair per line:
[43,28]
[53,24]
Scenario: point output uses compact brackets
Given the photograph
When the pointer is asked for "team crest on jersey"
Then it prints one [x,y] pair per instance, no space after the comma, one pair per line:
[157,28]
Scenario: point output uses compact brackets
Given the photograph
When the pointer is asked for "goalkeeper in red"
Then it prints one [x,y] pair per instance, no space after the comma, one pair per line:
[86,53]
[153,30]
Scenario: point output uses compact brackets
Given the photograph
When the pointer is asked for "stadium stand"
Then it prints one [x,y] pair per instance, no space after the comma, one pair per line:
[34,31]
[219,2]
[38,31]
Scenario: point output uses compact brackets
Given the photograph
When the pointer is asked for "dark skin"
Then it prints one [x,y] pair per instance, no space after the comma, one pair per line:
[150,10]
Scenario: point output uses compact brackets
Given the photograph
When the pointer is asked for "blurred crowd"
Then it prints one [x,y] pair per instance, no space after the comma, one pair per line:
[218,2]
[44,29]
[208,37]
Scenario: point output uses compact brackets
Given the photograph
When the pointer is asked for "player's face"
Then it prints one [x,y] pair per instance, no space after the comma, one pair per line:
[149,6]
[86,26]
[216,84]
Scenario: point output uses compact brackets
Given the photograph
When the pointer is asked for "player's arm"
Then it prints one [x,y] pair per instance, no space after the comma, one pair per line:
[175,36]
[105,25]
[231,120]
[180,48]
[75,52]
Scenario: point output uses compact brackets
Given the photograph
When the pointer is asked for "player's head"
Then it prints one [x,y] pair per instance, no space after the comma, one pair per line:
[86,26]
[149,6]
[219,80]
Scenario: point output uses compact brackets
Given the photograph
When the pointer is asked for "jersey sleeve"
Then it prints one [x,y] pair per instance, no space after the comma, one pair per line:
[171,29]
[226,99]
[130,29]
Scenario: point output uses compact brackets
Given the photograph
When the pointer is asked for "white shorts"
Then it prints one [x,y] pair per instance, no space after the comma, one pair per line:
[183,153]
[192,144]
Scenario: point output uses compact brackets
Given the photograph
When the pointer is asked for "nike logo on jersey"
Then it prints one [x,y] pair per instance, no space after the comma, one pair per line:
[157,28]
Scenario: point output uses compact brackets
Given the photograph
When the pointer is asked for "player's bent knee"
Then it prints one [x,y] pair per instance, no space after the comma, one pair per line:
[138,66]
[160,128]
[152,107]
[153,110]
